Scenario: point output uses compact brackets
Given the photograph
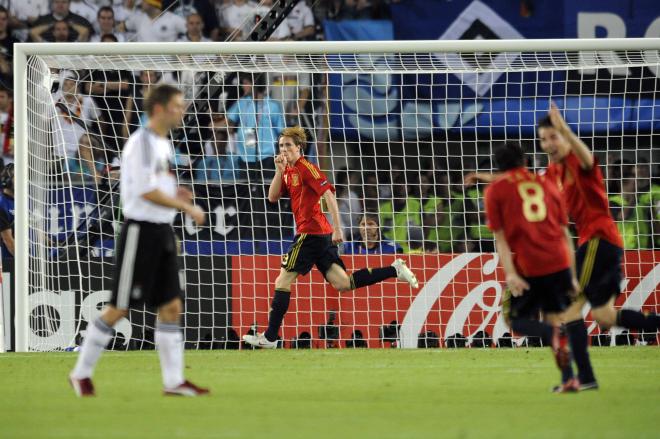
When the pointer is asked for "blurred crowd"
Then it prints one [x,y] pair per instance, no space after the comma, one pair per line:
[426,210]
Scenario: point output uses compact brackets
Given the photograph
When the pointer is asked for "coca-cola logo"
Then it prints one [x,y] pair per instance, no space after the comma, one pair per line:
[459,294]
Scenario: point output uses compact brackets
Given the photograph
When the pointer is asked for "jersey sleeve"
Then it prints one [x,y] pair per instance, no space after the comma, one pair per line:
[140,165]
[493,212]
[315,179]
[6,221]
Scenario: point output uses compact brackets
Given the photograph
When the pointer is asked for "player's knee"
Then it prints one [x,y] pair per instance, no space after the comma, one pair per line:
[170,311]
[605,317]
[341,285]
[283,283]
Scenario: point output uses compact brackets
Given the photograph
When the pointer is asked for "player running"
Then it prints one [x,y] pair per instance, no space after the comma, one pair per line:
[316,240]
[600,248]
[529,220]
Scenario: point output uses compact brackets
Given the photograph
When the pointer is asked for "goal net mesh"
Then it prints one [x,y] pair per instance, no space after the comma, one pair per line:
[395,132]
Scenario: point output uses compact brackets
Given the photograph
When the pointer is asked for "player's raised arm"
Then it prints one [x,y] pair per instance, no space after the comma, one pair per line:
[580,149]
[275,189]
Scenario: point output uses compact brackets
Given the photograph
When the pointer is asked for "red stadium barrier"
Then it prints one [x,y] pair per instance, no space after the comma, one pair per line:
[458,294]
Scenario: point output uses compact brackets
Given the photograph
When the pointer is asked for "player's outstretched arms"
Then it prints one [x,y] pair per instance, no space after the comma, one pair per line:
[580,149]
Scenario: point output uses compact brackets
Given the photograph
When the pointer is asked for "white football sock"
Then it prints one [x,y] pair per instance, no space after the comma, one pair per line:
[169,342]
[97,338]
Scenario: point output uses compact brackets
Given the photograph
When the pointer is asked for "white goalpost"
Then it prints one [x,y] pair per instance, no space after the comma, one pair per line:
[395,125]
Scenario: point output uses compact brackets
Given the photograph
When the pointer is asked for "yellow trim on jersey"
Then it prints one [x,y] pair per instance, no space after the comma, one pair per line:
[311,168]
[294,252]
[588,264]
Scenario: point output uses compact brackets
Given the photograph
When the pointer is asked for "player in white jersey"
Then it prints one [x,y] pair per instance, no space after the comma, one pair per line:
[146,265]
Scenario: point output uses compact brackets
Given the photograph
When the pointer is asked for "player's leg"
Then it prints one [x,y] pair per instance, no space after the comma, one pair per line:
[578,340]
[165,293]
[98,334]
[607,316]
[299,259]
[280,304]
[127,271]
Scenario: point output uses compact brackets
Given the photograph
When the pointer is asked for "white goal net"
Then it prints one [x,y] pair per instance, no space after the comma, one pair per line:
[396,126]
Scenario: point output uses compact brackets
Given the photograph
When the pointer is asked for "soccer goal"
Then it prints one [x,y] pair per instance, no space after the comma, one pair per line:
[396,126]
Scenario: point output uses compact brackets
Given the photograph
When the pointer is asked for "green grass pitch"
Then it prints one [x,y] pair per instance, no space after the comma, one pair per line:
[440,393]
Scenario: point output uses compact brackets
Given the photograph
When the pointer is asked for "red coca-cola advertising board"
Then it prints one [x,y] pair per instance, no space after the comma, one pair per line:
[458,293]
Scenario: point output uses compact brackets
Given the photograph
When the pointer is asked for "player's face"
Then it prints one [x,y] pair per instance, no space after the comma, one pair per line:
[369,230]
[290,150]
[553,143]
[174,110]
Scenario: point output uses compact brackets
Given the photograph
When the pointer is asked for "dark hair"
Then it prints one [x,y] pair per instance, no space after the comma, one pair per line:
[105,9]
[111,37]
[509,155]
[545,122]
[161,95]
[7,177]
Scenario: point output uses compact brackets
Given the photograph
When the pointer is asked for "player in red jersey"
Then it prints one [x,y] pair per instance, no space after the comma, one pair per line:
[316,240]
[529,220]
[600,248]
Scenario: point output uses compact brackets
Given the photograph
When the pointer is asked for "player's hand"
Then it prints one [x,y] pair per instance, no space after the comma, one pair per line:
[471,179]
[280,162]
[557,119]
[197,214]
[517,285]
[337,236]
[184,194]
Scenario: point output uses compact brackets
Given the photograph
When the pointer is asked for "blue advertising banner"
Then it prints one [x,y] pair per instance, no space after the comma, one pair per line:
[391,107]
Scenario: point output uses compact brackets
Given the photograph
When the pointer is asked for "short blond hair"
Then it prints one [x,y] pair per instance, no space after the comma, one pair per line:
[296,133]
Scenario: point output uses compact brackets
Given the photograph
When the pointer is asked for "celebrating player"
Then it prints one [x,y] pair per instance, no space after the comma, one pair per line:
[529,220]
[316,240]
[146,268]
[600,248]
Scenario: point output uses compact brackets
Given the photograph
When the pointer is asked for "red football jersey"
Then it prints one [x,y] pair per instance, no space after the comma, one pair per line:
[584,194]
[530,211]
[305,184]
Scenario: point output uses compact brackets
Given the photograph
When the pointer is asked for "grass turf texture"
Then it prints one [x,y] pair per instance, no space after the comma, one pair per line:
[288,394]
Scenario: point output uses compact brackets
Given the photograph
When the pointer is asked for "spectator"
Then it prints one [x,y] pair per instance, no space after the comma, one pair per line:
[650,204]
[258,120]
[204,8]
[6,48]
[134,113]
[348,201]
[236,18]
[79,28]
[6,126]
[85,8]
[25,12]
[400,214]
[7,212]
[371,242]
[105,25]
[294,91]
[632,225]
[150,24]
[73,146]
[219,164]
[110,90]
[282,32]
[301,22]
[194,29]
